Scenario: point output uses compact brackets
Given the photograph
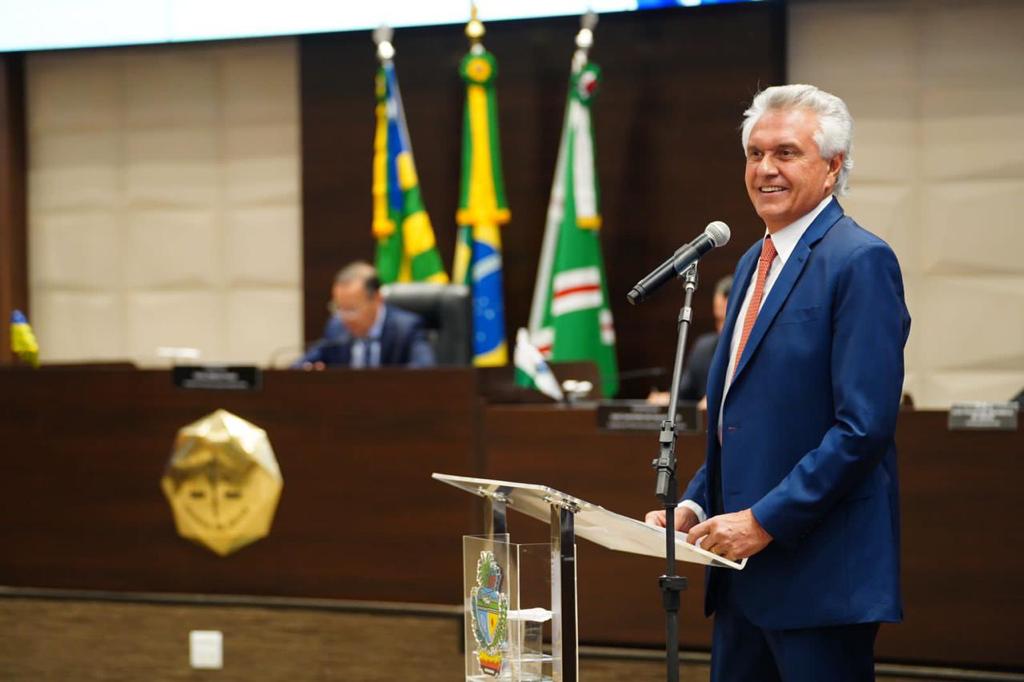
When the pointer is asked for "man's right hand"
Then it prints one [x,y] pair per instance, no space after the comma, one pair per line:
[685,518]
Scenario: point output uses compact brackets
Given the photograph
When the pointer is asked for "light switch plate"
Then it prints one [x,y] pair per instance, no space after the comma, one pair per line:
[206,649]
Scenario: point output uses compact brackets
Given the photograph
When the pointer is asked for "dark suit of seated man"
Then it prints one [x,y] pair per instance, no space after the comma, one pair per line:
[365,332]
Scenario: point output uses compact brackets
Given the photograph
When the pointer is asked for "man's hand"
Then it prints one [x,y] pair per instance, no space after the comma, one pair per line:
[732,536]
[685,518]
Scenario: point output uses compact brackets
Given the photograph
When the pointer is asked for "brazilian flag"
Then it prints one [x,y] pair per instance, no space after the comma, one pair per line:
[483,209]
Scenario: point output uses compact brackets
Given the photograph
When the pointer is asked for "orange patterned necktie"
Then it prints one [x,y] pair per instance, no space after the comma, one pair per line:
[764,264]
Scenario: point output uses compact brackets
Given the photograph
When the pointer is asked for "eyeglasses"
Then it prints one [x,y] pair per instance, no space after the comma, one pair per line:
[346,313]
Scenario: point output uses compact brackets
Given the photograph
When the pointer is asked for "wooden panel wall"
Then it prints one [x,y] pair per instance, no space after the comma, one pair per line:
[669,161]
[13,230]
[358,518]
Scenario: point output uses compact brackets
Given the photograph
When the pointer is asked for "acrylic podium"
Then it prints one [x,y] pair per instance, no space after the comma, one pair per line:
[512,591]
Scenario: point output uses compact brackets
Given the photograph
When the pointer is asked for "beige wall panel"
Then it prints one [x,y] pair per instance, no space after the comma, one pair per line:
[172,167]
[972,323]
[971,227]
[71,250]
[885,151]
[73,326]
[160,178]
[831,45]
[886,210]
[254,75]
[963,386]
[937,92]
[973,145]
[261,164]
[969,42]
[172,87]
[79,94]
[265,324]
[193,319]
[258,250]
[75,170]
[172,248]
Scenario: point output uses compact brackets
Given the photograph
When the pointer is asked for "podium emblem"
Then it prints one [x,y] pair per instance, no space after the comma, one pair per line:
[489,606]
[222,482]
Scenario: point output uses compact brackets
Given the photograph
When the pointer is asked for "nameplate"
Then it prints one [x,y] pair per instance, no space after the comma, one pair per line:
[983,416]
[218,377]
[635,415]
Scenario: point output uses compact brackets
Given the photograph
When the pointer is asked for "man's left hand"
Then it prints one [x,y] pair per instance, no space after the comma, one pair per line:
[732,536]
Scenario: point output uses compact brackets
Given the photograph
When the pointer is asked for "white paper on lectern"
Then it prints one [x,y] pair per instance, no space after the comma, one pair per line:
[592,522]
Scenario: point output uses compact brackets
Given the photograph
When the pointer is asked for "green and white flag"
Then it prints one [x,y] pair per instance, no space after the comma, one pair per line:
[570,319]
[531,369]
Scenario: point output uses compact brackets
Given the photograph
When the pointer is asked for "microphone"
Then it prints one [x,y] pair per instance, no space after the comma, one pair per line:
[715,234]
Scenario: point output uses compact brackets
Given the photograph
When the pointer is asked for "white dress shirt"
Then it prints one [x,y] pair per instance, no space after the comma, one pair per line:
[785,241]
[366,351]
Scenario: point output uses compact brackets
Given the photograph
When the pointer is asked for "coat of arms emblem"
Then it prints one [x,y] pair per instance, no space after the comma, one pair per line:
[489,606]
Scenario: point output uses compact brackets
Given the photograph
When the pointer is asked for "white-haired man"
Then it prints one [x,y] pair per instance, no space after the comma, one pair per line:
[803,393]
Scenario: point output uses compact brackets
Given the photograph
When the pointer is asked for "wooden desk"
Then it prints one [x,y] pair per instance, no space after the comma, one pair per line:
[359,517]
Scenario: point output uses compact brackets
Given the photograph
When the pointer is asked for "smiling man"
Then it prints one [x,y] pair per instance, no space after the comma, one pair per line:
[803,393]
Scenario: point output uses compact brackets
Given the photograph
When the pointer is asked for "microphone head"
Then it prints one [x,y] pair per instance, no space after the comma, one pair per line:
[718,232]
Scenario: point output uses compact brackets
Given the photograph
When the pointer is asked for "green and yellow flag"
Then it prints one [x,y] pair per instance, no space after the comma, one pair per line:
[570,318]
[406,249]
[482,209]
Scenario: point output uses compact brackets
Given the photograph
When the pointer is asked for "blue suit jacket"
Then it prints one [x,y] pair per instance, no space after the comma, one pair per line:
[807,432]
[403,342]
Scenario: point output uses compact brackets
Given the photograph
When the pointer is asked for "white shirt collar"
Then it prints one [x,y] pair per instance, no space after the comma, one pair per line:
[785,240]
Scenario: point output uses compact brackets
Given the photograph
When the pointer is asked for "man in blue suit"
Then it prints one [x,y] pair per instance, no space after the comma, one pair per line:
[803,392]
[363,331]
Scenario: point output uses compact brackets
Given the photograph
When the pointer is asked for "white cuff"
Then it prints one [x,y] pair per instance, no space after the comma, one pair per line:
[695,508]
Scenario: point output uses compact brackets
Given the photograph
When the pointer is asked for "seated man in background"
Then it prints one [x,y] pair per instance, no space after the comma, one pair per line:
[363,331]
[693,383]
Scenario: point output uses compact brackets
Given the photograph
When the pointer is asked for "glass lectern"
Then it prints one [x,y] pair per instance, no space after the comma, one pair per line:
[514,592]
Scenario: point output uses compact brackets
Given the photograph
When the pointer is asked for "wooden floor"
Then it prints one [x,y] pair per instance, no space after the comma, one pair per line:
[72,639]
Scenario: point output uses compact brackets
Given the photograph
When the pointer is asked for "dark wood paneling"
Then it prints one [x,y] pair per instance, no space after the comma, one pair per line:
[13,235]
[359,517]
[963,544]
[669,160]
[84,452]
[963,567]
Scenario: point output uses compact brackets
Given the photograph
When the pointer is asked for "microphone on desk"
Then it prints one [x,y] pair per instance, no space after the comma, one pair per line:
[303,349]
[715,234]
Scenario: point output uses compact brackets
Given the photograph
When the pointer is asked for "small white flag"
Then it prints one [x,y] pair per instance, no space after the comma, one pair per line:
[532,370]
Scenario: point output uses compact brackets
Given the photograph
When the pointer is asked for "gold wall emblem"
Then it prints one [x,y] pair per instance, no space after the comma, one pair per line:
[222,482]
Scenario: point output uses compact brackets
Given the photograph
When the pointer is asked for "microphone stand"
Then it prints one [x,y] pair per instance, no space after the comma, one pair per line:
[668,487]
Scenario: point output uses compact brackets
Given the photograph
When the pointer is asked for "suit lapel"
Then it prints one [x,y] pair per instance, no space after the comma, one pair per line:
[787,279]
